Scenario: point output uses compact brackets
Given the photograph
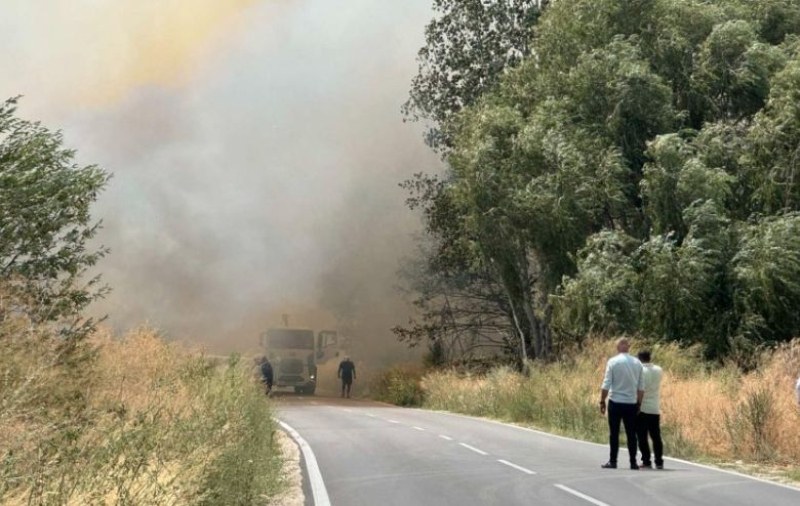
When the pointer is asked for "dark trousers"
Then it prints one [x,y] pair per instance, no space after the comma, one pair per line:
[346,383]
[625,413]
[648,424]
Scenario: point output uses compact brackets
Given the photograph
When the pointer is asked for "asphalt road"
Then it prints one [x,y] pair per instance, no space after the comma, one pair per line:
[374,454]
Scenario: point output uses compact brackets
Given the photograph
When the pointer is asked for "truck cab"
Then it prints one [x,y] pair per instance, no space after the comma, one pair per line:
[292,355]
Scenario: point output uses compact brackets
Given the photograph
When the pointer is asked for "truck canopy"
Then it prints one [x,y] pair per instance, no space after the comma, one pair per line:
[290,338]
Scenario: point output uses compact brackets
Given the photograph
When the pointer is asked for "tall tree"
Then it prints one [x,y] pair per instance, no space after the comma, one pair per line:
[46,227]
[635,171]
[468,46]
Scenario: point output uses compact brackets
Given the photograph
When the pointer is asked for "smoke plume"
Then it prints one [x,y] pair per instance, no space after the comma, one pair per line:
[256,148]
[90,52]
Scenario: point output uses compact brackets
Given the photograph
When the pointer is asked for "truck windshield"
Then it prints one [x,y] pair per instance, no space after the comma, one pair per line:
[290,338]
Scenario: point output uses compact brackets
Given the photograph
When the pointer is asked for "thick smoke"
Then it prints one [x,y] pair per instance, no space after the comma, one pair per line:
[259,175]
[75,53]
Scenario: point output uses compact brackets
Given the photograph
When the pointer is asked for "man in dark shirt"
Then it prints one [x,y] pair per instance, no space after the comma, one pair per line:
[266,373]
[347,373]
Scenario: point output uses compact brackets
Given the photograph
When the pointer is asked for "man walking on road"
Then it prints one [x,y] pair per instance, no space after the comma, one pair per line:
[625,383]
[347,373]
[649,420]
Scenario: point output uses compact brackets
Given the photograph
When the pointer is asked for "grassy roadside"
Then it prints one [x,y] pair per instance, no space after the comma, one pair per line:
[713,414]
[142,423]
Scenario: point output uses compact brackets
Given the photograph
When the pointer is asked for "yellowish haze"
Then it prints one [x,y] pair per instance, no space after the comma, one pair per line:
[96,51]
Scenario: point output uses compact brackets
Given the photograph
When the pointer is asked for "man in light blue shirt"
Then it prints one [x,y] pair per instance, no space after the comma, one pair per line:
[649,421]
[624,381]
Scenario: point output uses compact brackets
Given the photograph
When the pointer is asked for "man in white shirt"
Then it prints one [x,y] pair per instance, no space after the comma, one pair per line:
[649,420]
[624,382]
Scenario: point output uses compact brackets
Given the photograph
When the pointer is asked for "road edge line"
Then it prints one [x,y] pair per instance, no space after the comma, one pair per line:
[318,490]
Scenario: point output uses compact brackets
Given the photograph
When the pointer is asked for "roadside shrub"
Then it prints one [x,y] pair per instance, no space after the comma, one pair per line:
[750,425]
[399,385]
[143,423]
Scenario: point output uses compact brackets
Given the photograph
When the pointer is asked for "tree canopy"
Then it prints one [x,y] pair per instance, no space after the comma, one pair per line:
[635,173]
[45,225]
[468,46]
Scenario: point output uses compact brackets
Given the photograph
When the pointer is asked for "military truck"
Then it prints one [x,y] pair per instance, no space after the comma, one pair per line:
[294,356]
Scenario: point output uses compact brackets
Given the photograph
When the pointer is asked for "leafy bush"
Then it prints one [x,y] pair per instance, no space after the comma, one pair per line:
[398,385]
[46,229]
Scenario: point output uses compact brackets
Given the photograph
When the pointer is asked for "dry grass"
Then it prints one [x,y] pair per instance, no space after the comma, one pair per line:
[142,422]
[717,413]
[729,415]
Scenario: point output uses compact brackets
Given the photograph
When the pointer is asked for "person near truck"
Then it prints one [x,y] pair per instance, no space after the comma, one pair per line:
[267,375]
[347,373]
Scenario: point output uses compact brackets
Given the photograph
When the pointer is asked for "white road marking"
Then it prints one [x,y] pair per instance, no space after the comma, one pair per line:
[347,410]
[734,473]
[476,450]
[417,428]
[581,495]
[318,490]
[590,443]
[448,438]
[392,421]
[518,468]
[371,415]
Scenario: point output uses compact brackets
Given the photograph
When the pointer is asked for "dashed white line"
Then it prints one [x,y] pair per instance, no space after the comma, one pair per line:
[392,421]
[446,438]
[417,428]
[580,494]
[518,468]
[347,410]
[318,489]
[476,450]
[370,415]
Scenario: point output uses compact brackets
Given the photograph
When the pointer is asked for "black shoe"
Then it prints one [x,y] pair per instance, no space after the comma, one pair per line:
[659,466]
[609,465]
[634,466]
[646,465]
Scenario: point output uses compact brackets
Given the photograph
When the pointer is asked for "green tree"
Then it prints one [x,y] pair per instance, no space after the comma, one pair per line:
[468,46]
[45,225]
[773,164]
[637,172]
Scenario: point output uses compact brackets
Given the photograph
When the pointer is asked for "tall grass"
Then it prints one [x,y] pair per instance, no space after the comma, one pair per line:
[141,423]
[714,412]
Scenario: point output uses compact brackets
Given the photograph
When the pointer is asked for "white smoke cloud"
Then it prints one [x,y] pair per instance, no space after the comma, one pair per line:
[259,179]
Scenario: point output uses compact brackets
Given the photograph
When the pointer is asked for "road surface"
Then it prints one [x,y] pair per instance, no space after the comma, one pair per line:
[372,454]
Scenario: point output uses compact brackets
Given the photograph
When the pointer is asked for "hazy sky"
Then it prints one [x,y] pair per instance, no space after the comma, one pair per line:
[256,148]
